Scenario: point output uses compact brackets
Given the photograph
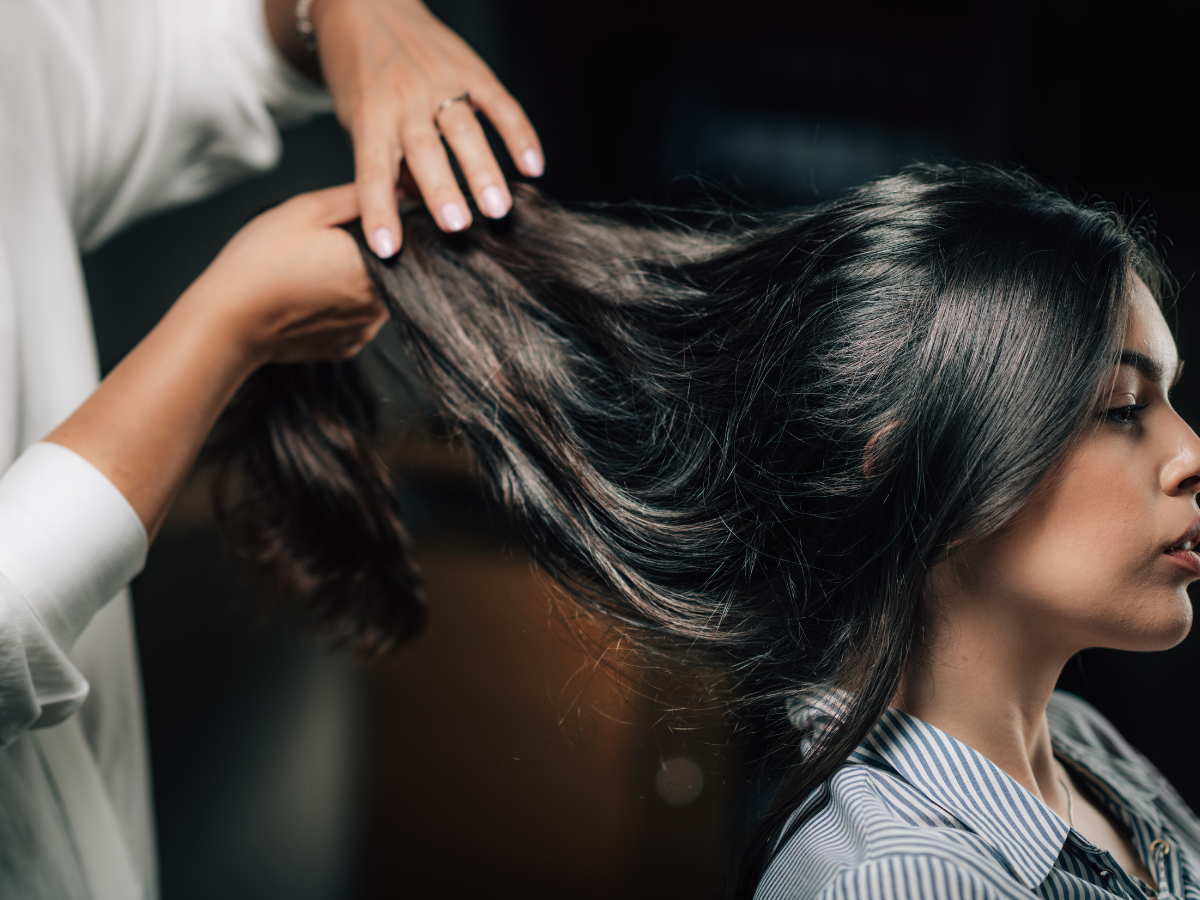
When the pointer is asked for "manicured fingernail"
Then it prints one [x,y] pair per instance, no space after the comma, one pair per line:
[493,202]
[532,161]
[384,243]
[454,217]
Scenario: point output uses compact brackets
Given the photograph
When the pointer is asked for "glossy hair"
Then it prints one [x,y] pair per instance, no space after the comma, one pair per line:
[747,441]
[303,496]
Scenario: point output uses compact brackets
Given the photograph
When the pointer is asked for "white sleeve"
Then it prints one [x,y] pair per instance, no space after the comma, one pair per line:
[192,104]
[69,541]
[109,110]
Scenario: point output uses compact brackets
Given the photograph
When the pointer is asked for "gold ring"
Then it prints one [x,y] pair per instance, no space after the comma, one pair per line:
[465,97]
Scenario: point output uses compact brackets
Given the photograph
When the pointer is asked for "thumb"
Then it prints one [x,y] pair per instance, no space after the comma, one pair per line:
[332,206]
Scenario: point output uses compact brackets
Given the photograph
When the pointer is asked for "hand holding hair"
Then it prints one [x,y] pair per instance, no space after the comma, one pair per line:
[289,287]
[401,81]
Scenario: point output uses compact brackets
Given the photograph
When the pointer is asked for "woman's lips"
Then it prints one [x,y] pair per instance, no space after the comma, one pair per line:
[1187,560]
[1192,535]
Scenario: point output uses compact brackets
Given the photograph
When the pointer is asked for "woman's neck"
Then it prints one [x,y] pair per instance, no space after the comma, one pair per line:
[986,681]
[982,706]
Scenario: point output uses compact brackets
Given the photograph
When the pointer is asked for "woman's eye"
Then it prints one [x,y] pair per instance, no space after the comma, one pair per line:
[1124,415]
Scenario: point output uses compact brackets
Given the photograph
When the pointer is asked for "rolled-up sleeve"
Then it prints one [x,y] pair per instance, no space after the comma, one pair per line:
[69,541]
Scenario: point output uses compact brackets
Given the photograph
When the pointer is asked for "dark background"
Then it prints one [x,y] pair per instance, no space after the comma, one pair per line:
[283,771]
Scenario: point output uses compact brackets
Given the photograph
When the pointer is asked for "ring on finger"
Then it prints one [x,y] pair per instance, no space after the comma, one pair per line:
[464,97]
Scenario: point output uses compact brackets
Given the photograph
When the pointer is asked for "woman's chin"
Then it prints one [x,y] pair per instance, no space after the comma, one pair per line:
[1184,624]
[1162,632]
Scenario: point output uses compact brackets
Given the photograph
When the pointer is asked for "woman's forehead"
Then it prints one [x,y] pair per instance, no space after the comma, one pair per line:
[1147,334]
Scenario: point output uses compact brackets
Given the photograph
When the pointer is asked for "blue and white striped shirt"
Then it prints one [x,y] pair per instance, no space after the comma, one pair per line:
[915,813]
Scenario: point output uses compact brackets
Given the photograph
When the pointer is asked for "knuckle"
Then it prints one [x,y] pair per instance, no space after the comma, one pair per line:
[504,108]
[437,185]
[482,177]
[495,99]
[375,167]
[368,118]
[422,144]
[375,210]
[459,128]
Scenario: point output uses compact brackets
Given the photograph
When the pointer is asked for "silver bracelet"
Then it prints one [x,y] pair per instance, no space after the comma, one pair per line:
[304,25]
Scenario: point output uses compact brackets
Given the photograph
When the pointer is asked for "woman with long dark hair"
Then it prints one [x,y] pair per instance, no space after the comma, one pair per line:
[886,464]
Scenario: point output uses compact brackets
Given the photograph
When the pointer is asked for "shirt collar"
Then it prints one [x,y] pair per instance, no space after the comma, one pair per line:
[1018,826]
[1022,830]
[1130,787]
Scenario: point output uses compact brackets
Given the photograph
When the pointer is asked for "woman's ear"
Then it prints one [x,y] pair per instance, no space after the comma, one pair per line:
[874,453]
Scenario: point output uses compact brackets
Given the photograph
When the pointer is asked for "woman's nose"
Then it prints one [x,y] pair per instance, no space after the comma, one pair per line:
[1181,475]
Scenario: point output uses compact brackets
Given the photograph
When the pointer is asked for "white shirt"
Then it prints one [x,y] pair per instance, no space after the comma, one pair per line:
[109,110]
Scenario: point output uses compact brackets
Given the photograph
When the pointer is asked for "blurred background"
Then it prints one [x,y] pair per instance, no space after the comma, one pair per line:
[494,757]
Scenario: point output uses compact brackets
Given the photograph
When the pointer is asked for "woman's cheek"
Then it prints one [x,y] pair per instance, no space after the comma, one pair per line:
[1083,553]
[1130,597]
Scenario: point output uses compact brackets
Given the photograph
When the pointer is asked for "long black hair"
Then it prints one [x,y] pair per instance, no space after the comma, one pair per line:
[748,440]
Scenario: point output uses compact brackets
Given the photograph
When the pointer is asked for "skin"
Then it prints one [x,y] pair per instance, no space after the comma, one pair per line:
[289,287]
[388,65]
[1083,565]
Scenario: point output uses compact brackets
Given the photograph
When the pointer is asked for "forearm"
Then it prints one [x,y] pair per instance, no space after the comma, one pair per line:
[281,24]
[145,424]
[288,287]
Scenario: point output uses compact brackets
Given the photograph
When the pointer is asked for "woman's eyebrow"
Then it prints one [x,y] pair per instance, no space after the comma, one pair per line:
[1150,368]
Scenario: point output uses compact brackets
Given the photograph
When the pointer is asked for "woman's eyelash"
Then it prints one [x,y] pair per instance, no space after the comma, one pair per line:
[1124,415]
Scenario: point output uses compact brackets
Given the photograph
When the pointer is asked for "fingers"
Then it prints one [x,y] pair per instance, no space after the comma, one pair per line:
[380,320]
[354,340]
[513,126]
[464,134]
[426,158]
[328,340]
[378,157]
[333,206]
[376,164]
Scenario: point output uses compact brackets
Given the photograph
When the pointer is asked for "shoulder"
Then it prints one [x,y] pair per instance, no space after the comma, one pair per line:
[874,835]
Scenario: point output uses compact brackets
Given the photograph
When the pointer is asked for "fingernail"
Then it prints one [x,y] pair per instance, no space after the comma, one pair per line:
[454,217]
[532,161]
[384,243]
[493,202]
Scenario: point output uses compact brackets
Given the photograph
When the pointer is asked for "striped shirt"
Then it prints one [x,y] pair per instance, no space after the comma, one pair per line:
[915,813]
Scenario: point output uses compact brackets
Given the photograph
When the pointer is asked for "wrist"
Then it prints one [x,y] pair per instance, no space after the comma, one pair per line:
[284,27]
[216,327]
[304,24]
[145,423]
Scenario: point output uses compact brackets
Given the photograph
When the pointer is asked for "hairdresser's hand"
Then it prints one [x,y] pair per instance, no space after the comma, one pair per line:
[389,65]
[291,286]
